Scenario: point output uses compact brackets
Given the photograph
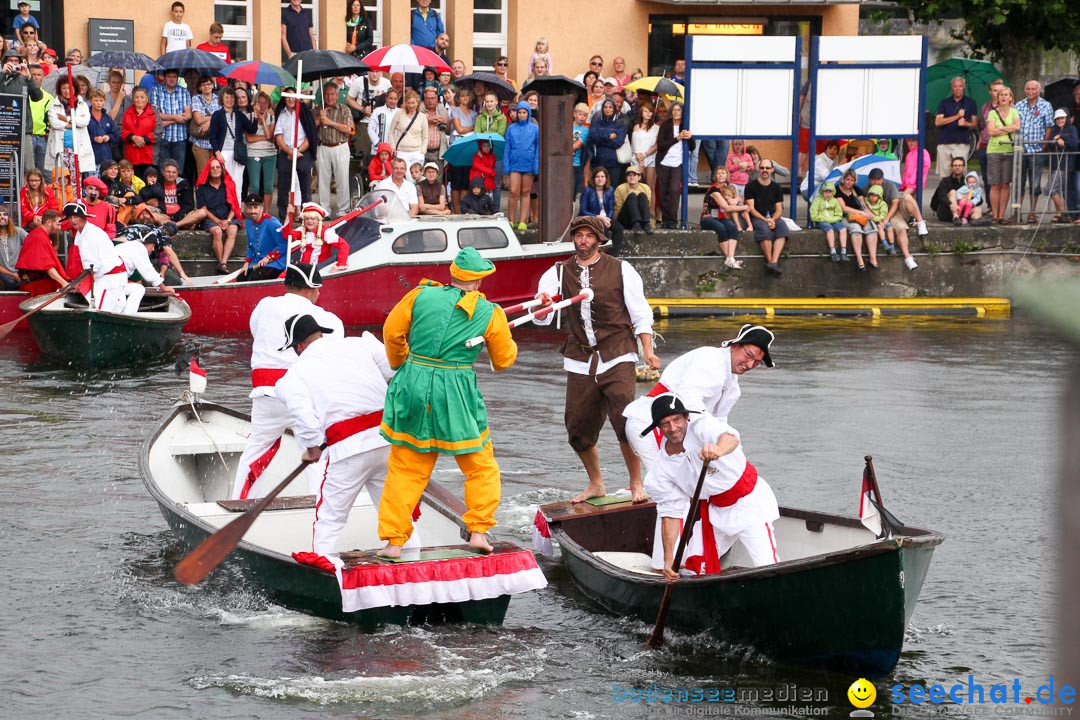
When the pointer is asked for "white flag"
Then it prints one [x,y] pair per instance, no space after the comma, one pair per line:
[868,512]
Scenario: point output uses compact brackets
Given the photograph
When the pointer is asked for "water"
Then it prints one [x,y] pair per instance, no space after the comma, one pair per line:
[961,417]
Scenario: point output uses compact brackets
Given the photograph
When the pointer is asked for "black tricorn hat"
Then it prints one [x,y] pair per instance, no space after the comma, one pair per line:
[663,406]
[299,328]
[303,275]
[758,335]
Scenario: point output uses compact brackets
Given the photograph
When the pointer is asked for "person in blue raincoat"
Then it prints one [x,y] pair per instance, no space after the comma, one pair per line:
[606,135]
[521,158]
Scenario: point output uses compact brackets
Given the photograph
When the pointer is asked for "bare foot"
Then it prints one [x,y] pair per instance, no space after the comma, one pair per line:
[590,492]
[390,551]
[477,541]
[637,495]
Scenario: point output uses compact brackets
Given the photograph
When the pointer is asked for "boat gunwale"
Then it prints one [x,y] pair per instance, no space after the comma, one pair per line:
[178,313]
[911,538]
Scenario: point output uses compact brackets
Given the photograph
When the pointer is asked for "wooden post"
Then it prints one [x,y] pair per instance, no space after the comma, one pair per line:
[556,165]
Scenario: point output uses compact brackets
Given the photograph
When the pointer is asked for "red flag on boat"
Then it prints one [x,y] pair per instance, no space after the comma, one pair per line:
[868,512]
[196,377]
[542,535]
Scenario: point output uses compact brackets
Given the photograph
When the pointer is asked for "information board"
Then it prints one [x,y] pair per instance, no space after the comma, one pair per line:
[108,34]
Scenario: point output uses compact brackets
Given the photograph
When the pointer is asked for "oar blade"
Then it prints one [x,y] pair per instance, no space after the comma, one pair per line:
[201,561]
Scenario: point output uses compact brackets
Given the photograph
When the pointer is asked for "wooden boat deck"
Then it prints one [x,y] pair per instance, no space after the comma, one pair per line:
[361,558]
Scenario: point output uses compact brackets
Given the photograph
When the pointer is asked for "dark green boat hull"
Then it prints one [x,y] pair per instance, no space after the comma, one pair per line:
[844,611]
[313,591]
[104,340]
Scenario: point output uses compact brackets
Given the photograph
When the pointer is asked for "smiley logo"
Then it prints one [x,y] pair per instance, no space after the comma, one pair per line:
[862,693]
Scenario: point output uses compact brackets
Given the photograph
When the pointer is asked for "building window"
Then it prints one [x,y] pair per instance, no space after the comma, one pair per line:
[235,18]
[314,8]
[489,33]
[375,16]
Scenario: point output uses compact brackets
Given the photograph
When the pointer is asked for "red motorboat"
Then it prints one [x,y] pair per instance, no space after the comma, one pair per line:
[387,259]
[9,304]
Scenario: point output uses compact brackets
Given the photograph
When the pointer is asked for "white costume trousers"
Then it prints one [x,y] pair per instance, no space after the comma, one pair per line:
[110,293]
[269,421]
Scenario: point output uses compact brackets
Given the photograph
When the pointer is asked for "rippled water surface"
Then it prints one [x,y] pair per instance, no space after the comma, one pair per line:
[961,417]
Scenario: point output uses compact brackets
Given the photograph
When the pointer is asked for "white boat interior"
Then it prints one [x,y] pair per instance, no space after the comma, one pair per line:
[193,462]
[152,307]
[796,539]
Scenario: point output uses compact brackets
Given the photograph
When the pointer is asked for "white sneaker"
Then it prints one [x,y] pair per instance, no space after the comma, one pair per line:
[910,263]
[922,227]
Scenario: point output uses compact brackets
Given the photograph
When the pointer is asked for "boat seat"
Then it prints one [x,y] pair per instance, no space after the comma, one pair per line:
[203,446]
[289,502]
[630,561]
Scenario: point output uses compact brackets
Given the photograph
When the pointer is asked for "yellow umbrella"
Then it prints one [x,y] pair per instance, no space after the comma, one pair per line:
[657,86]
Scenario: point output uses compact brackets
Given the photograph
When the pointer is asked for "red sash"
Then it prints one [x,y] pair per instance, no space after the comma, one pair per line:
[710,564]
[344,429]
[121,268]
[658,389]
[266,377]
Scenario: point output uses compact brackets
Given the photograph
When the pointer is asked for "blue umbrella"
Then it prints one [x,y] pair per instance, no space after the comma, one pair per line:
[191,59]
[126,59]
[462,151]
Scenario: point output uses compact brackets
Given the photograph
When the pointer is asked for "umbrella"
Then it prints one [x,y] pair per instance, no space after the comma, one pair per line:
[48,83]
[1060,93]
[862,167]
[257,72]
[657,85]
[462,151]
[191,59]
[126,59]
[977,74]
[556,85]
[319,64]
[404,58]
[502,89]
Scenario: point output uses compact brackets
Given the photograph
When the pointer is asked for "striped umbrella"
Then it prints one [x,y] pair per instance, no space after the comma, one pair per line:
[404,58]
[257,72]
[191,59]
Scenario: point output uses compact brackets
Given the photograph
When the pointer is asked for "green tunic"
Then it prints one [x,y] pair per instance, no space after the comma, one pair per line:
[433,403]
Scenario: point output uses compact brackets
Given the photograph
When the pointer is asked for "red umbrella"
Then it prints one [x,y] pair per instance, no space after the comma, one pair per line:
[404,58]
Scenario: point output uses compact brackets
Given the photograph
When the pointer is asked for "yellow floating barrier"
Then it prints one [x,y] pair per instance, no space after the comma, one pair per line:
[988,307]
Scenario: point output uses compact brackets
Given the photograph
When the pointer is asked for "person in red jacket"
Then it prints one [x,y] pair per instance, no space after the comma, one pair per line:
[379,167]
[35,198]
[137,132]
[317,241]
[39,268]
[483,165]
[98,211]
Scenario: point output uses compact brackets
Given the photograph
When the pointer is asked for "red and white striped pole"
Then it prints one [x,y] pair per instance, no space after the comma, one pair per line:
[584,295]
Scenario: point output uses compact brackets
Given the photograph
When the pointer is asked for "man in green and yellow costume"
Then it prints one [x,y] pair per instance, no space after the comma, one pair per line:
[433,405]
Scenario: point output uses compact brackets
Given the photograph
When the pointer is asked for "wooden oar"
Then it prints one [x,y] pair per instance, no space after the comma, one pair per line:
[7,327]
[657,637]
[586,294]
[210,553]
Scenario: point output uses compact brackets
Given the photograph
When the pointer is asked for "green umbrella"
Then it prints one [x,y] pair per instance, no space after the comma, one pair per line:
[978,74]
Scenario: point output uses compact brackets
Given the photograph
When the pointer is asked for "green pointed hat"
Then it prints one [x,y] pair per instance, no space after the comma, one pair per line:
[469,266]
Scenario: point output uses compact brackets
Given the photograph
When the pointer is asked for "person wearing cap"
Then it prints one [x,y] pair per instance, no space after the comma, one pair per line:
[433,405]
[878,210]
[136,257]
[24,17]
[316,239]
[267,246]
[736,505]
[828,215]
[893,227]
[271,357]
[15,78]
[159,245]
[334,394]
[431,193]
[99,212]
[1061,143]
[94,250]
[633,203]
[599,355]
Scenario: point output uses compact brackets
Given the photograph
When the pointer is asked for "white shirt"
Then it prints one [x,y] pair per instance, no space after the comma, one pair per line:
[673,157]
[96,249]
[135,257]
[672,479]
[335,379]
[633,296]
[702,378]
[268,332]
[176,35]
[285,126]
[406,193]
[379,125]
[356,88]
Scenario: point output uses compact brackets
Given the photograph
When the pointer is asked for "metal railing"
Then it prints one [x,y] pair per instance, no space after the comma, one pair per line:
[1052,172]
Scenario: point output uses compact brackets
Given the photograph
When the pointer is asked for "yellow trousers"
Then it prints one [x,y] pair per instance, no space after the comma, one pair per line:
[407,475]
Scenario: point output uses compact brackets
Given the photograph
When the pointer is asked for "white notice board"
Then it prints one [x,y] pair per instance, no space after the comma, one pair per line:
[867,101]
[738,102]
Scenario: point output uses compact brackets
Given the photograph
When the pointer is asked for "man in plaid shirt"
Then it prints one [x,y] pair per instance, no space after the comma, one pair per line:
[1036,120]
[173,107]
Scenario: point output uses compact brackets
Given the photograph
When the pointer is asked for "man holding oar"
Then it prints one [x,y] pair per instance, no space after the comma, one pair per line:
[735,504]
[433,405]
[271,357]
[600,354]
[334,393]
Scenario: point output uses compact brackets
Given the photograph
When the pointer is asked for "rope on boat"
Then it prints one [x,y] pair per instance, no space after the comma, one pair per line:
[189,398]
